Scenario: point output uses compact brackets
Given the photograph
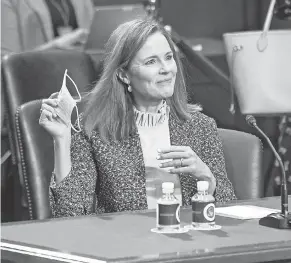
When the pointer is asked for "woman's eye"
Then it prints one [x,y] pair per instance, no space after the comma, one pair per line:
[169,57]
[150,62]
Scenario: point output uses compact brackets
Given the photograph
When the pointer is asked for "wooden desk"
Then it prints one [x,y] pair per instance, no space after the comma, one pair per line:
[126,237]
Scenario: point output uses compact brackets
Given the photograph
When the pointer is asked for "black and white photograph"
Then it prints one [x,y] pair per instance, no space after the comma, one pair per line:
[137,131]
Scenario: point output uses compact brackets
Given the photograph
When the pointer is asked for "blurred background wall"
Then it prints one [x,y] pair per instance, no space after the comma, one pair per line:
[210,18]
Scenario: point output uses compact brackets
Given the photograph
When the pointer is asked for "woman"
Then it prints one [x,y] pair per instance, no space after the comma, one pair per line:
[137,131]
[42,24]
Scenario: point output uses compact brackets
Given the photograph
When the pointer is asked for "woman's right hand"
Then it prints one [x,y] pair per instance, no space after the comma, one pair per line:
[50,121]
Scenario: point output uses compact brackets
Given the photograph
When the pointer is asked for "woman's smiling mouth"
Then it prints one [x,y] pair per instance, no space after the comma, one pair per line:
[165,81]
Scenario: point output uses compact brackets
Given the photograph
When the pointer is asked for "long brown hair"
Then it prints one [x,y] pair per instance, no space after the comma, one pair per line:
[109,109]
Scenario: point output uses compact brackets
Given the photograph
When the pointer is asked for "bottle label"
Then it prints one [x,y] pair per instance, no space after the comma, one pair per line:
[203,212]
[168,215]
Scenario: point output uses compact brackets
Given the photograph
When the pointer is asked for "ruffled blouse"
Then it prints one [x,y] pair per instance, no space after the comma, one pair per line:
[153,129]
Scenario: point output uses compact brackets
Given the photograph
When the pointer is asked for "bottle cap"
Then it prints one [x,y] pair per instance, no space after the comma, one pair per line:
[168,187]
[202,185]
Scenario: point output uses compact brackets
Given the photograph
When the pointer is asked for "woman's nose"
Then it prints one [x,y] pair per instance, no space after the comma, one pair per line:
[164,67]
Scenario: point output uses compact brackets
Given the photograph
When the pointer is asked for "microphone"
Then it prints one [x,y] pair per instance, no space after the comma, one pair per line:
[281,220]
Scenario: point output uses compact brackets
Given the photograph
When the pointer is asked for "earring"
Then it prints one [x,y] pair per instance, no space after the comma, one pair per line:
[129,88]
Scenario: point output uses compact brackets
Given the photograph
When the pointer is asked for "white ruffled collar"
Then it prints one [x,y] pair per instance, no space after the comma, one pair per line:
[149,119]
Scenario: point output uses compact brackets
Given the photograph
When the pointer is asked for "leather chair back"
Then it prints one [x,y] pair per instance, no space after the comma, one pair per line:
[243,158]
[36,158]
[37,74]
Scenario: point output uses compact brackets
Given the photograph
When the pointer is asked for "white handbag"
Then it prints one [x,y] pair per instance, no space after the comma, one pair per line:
[260,68]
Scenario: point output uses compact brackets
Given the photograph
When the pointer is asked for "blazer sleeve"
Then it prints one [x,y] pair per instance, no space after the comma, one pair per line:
[11,40]
[213,156]
[75,194]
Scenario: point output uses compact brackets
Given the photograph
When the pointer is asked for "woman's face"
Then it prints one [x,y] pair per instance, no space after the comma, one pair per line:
[152,72]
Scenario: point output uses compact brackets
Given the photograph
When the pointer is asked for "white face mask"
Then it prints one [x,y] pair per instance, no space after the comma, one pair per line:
[66,103]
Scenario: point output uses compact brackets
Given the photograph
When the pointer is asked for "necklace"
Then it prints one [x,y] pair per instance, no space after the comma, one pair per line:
[63,9]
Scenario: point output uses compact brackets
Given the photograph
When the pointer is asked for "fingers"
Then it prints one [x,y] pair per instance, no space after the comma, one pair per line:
[175,155]
[179,170]
[45,114]
[54,95]
[49,109]
[181,162]
[175,152]
[180,159]
[50,102]
[173,148]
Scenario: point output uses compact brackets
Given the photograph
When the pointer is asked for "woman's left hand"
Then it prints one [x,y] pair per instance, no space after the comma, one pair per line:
[184,160]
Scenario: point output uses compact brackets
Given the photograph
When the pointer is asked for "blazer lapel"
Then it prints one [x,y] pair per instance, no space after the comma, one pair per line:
[181,136]
[178,134]
[133,145]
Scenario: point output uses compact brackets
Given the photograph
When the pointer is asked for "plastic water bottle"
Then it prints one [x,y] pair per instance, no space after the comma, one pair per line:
[168,208]
[203,207]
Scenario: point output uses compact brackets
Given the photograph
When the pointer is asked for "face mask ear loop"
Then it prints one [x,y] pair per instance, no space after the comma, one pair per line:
[65,78]
[64,84]
[75,87]
[78,122]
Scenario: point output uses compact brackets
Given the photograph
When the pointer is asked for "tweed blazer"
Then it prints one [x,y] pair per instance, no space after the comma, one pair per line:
[110,176]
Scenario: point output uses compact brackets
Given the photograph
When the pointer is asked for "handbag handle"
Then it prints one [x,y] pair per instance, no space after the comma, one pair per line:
[262,42]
